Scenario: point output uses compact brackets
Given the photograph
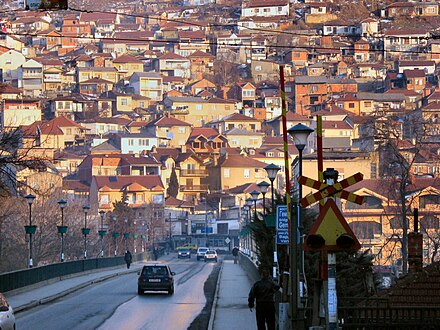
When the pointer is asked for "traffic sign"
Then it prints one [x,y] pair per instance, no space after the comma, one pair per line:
[282,225]
[282,237]
[331,190]
[227,240]
[282,218]
[332,231]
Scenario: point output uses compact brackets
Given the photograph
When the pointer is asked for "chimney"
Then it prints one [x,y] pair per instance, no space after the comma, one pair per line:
[415,247]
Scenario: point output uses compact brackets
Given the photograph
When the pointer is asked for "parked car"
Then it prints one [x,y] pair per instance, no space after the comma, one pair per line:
[156,277]
[201,252]
[210,255]
[184,253]
[7,318]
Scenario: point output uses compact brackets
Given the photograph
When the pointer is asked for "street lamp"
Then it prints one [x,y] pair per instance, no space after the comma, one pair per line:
[126,234]
[300,134]
[85,230]
[102,232]
[62,229]
[254,196]
[272,171]
[263,185]
[115,235]
[30,229]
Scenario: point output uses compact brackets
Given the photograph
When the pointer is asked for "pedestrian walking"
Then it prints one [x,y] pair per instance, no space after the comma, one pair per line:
[235,254]
[262,292]
[128,258]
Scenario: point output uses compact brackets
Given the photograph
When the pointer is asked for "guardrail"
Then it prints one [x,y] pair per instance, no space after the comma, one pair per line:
[21,278]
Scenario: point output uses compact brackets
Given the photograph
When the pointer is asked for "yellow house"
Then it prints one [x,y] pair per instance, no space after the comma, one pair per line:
[378,224]
[149,84]
[138,191]
[197,110]
[127,65]
[172,132]
[109,74]
[231,170]
[18,112]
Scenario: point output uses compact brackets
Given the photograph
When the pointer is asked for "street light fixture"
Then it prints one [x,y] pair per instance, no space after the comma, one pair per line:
[102,232]
[263,185]
[300,134]
[62,229]
[254,196]
[115,235]
[85,230]
[30,229]
[272,171]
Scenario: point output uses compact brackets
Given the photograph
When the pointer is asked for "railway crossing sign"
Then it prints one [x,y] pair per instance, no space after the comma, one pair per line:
[336,190]
[331,232]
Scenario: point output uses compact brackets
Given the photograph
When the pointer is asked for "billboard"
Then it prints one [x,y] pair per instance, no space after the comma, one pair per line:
[45,4]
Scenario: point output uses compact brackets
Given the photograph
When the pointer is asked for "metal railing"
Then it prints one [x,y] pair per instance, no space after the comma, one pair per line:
[193,172]
[21,278]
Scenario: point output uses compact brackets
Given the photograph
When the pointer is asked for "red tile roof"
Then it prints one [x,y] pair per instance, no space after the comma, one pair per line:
[150,182]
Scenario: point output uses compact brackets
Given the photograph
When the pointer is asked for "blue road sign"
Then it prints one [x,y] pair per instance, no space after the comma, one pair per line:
[282,219]
[282,225]
[282,237]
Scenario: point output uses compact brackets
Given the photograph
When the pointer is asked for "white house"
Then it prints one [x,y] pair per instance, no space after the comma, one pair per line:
[9,64]
[265,8]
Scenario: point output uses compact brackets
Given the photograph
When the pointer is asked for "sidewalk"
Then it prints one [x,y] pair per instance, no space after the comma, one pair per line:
[230,310]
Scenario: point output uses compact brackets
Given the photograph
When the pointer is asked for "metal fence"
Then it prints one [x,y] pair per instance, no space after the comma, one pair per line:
[21,278]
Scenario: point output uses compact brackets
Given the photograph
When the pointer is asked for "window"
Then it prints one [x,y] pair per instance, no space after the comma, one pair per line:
[140,197]
[104,199]
[226,172]
[351,105]
[157,199]
[313,88]
[270,154]
[199,107]
[247,173]
[130,142]
[182,130]
[124,101]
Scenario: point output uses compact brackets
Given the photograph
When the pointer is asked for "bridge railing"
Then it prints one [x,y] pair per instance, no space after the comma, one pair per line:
[21,278]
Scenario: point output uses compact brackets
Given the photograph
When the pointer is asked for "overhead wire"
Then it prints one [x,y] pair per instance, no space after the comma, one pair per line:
[211,43]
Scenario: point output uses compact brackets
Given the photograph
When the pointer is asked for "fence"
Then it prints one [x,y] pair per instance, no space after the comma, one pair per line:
[21,278]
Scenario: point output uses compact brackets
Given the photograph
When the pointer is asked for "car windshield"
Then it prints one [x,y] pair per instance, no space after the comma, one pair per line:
[203,250]
[184,250]
[154,270]
[210,252]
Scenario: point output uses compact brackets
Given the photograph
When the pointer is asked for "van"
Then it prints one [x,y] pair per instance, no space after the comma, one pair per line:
[201,252]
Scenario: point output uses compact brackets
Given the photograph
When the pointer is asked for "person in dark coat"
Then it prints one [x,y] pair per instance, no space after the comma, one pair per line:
[262,292]
[235,254]
[128,258]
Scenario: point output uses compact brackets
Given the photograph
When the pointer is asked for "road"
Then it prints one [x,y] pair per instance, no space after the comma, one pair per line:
[114,304]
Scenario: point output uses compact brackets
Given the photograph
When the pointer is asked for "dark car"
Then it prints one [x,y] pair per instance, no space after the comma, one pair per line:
[156,277]
[184,253]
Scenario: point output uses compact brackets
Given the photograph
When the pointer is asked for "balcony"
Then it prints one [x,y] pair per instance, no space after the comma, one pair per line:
[194,188]
[194,172]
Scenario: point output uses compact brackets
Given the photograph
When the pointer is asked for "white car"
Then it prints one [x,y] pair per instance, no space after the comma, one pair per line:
[201,252]
[210,255]
[7,318]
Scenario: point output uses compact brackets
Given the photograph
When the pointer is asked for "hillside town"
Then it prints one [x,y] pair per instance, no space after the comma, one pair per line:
[175,108]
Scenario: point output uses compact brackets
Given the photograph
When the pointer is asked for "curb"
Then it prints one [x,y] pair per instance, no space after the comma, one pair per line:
[214,303]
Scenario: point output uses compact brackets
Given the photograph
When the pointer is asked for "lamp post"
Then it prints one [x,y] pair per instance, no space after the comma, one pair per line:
[30,229]
[126,234]
[254,196]
[85,230]
[102,232]
[263,185]
[62,229]
[300,134]
[272,171]
[248,204]
[115,235]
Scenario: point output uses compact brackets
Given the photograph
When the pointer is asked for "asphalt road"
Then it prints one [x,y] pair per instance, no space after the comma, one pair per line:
[114,304]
